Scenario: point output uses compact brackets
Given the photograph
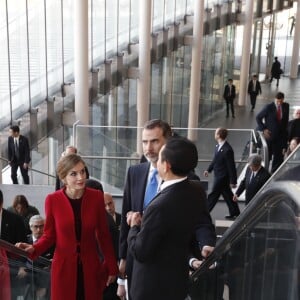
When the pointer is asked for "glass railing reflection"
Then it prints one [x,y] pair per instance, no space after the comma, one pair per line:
[21,278]
[258,257]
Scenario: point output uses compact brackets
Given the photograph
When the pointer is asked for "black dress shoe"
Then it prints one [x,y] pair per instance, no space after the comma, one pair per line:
[233,116]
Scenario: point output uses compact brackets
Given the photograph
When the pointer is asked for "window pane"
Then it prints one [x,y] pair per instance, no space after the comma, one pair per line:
[18,57]
[4,79]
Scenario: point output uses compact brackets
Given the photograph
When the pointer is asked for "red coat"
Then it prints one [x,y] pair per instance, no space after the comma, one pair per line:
[60,230]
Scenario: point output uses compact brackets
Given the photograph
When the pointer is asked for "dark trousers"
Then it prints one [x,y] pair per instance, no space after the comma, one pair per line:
[275,148]
[253,97]
[222,186]
[24,172]
[229,104]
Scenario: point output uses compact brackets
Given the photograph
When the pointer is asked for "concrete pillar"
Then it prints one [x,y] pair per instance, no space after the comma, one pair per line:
[81,61]
[196,69]
[246,47]
[143,84]
[296,42]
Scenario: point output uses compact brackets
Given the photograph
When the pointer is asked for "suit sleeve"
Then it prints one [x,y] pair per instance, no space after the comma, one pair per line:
[26,150]
[241,187]
[233,92]
[124,228]
[231,166]
[144,241]
[205,230]
[259,119]
[105,239]
[10,154]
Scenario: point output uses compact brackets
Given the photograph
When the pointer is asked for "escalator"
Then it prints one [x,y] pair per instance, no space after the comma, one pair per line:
[21,278]
[258,256]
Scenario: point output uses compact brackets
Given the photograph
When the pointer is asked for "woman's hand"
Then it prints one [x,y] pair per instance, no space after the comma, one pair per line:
[110,279]
[26,247]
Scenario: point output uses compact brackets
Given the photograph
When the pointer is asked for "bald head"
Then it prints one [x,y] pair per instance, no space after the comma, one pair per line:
[109,204]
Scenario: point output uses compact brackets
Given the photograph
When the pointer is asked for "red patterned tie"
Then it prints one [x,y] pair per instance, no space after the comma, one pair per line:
[279,113]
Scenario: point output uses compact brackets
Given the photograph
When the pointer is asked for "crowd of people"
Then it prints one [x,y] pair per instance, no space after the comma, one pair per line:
[97,253]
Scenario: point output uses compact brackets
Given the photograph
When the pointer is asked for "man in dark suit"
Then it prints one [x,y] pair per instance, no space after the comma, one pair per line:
[256,176]
[254,89]
[155,134]
[13,230]
[18,154]
[273,120]
[225,176]
[111,208]
[159,241]
[229,95]
[41,280]
[276,70]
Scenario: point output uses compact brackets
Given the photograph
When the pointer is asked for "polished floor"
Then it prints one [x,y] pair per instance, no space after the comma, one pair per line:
[245,119]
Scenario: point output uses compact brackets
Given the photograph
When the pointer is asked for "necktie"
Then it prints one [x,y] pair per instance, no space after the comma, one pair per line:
[16,148]
[252,176]
[151,188]
[278,115]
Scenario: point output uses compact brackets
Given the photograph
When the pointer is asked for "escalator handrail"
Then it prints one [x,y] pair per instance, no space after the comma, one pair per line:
[246,219]
[20,252]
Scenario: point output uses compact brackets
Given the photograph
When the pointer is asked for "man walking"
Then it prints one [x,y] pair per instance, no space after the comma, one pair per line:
[225,178]
[273,120]
[254,88]
[229,95]
[18,154]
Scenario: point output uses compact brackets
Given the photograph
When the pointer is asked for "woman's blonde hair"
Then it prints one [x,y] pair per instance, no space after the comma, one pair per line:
[66,163]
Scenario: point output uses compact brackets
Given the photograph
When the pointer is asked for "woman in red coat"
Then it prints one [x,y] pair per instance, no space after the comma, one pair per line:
[83,262]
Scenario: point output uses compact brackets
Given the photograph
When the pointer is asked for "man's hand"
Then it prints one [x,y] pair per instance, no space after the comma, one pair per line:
[122,267]
[205,173]
[207,250]
[235,198]
[136,219]
[267,134]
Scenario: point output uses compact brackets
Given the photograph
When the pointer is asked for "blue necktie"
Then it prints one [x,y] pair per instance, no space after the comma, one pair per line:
[151,188]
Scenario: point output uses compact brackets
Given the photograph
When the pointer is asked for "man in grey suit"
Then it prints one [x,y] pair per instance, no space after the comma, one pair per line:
[256,176]
[159,240]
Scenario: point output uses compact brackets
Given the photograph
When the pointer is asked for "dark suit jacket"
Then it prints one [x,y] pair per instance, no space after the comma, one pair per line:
[293,129]
[254,186]
[118,219]
[223,164]
[161,246]
[133,200]
[12,228]
[267,119]
[226,95]
[24,150]
[257,87]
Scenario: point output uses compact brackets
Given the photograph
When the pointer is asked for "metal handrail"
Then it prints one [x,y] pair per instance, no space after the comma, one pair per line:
[31,169]
[20,252]
[247,218]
